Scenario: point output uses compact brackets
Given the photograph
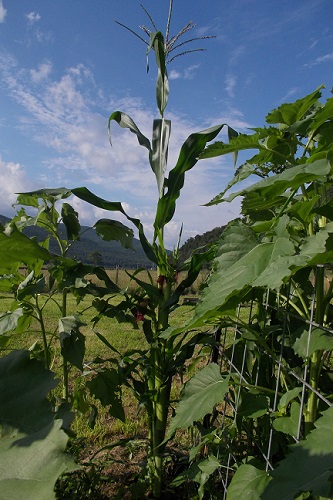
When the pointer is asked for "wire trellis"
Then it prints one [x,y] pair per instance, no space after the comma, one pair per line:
[247,367]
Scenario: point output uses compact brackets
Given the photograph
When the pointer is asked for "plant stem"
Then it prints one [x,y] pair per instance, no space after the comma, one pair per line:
[65,391]
[161,385]
[315,360]
[42,328]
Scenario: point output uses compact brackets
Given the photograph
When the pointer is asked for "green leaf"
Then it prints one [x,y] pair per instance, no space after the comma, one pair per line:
[10,320]
[289,113]
[209,465]
[241,259]
[114,230]
[162,84]
[248,483]
[115,206]
[24,386]
[30,197]
[319,340]
[72,341]
[30,286]
[202,392]
[71,220]
[289,425]
[106,387]
[292,178]
[240,143]
[159,153]
[242,173]
[252,405]
[30,465]
[308,466]
[287,397]
[195,266]
[15,248]
[322,115]
[242,264]
[188,157]
[126,121]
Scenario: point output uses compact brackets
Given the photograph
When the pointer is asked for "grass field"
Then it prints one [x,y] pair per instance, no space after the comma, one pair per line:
[120,335]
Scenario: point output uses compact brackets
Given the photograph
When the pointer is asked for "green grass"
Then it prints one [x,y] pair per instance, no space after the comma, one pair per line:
[121,336]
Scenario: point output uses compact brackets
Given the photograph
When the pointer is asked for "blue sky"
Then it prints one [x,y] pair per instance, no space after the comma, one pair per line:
[65,66]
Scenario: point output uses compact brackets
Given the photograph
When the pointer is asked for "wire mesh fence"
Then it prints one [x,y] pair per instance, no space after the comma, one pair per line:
[270,354]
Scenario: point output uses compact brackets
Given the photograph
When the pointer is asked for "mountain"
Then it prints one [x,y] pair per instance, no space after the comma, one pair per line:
[200,240]
[91,249]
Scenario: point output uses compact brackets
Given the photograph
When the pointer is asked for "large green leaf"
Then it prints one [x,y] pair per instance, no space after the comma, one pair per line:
[252,405]
[32,443]
[248,483]
[247,264]
[31,198]
[72,341]
[105,386]
[30,465]
[322,115]
[24,386]
[292,179]
[240,143]
[308,466]
[15,248]
[188,157]
[289,113]
[240,262]
[201,394]
[114,230]
[9,320]
[320,340]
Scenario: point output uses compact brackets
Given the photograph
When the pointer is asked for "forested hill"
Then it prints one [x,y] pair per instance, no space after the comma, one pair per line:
[198,241]
[91,249]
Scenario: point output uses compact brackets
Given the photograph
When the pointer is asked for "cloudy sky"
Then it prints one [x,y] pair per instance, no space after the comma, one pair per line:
[65,66]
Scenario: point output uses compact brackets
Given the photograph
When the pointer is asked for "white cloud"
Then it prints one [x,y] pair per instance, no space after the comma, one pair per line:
[187,74]
[190,71]
[313,44]
[62,115]
[236,54]
[174,75]
[33,17]
[291,92]
[40,74]
[3,12]
[14,180]
[321,59]
[230,83]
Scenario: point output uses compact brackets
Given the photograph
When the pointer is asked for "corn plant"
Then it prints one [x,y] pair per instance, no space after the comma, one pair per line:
[149,373]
